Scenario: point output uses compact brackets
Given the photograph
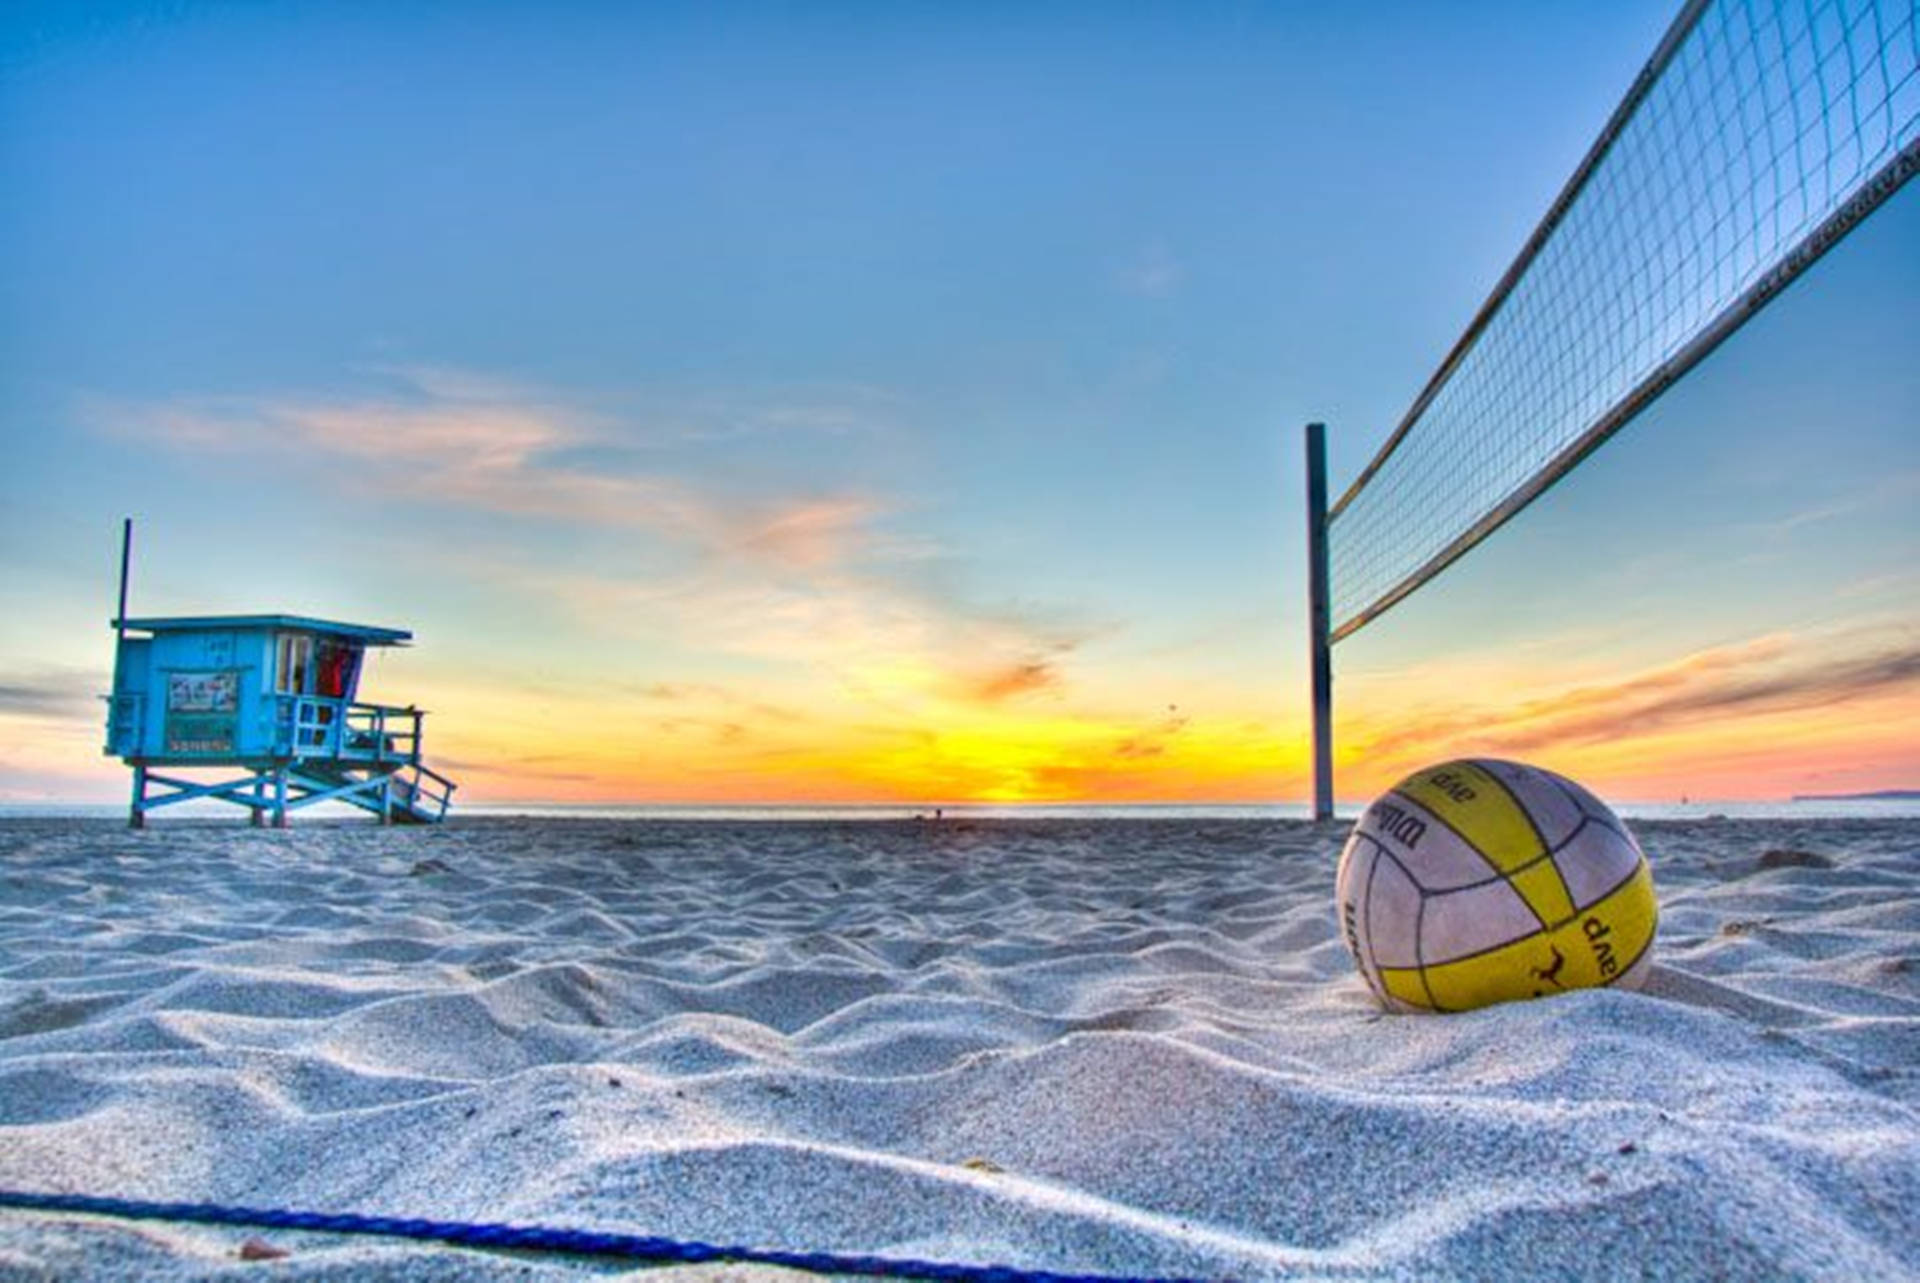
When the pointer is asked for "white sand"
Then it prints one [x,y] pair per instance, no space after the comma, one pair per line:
[1126,1047]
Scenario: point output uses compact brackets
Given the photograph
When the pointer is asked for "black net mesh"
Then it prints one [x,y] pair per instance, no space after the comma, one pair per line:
[1763,121]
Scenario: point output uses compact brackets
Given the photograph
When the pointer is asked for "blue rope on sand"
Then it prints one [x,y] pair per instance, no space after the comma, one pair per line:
[538,1238]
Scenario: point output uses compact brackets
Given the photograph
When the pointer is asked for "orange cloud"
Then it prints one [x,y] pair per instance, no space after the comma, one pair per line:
[1022,677]
[486,444]
[1754,718]
[1152,743]
[809,534]
[1642,706]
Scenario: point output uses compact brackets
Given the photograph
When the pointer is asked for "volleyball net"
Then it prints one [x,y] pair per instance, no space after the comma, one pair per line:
[1759,133]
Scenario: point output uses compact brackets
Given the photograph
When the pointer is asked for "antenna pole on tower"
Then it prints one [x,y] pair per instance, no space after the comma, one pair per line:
[126,558]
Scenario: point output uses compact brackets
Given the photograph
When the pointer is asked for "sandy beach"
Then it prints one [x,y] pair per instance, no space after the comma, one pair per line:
[1125,1047]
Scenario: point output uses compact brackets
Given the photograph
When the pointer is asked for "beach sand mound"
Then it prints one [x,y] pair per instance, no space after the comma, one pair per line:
[1130,1046]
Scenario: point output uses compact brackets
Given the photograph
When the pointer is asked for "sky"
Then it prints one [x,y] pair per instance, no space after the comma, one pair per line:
[900,403]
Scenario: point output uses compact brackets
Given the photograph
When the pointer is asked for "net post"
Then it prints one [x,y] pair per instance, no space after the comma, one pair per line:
[1319,639]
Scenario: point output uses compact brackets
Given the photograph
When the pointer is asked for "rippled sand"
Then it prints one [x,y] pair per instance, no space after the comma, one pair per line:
[1132,1047]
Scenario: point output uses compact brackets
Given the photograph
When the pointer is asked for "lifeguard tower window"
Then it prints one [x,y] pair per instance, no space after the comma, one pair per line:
[334,670]
[294,660]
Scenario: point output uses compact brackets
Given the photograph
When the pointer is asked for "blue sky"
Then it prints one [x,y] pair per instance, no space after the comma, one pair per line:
[820,360]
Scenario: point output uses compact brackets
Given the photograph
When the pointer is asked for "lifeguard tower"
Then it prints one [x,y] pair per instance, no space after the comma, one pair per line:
[273,696]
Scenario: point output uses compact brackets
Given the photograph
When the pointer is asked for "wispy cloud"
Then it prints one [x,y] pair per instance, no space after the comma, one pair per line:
[1900,487]
[1152,272]
[880,640]
[681,697]
[53,694]
[1774,674]
[1021,677]
[1153,741]
[1659,701]
[809,533]
[522,769]
[484,443]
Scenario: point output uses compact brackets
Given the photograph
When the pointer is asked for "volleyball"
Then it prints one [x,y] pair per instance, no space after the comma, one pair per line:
[1482,881]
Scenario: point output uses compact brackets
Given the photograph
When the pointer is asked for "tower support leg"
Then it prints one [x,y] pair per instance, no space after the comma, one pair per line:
[279,797]
[137,815]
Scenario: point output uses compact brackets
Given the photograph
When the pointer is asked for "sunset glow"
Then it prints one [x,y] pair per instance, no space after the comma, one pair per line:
[768,411]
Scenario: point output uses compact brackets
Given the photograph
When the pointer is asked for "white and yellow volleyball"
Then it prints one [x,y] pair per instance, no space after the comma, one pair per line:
[1482,881]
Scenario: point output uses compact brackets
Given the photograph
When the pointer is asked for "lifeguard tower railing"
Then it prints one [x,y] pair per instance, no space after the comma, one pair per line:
[379,736]
[305,726]
[324,742]
[315,726]
[1759,133]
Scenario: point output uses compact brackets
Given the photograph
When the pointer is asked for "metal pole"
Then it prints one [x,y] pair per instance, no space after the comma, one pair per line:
[1318,612]
[126,554]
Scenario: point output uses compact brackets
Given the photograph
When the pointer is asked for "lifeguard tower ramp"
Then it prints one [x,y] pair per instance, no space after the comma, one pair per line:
[270,703]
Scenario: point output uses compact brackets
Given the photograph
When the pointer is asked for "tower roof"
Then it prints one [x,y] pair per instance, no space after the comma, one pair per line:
[367,634]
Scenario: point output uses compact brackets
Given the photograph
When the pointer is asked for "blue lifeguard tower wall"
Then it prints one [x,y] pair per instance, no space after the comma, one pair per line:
[276,697]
